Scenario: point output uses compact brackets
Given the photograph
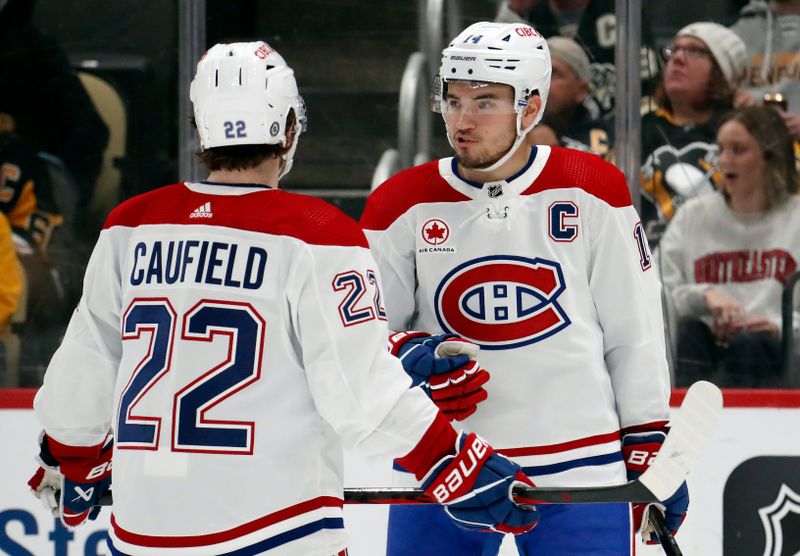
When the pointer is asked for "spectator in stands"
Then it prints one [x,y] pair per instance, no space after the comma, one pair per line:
[703,63]
[593,25]
[27,198]
[771,32]
[10,274]
[726,256]
[43,100]
[10,289]
[52,273]
[51,147]
[570,86]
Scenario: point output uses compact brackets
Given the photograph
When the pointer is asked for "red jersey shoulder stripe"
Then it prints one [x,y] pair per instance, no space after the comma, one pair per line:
[275,212]
[414,186]
[171,541]
[562,446]
[570,168]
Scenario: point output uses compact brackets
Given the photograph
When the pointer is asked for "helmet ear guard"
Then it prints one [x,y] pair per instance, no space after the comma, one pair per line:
[243,94]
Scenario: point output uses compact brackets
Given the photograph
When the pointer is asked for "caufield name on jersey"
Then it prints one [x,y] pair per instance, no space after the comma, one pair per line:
[203,262]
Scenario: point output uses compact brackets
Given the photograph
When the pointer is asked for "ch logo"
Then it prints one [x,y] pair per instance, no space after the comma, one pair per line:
[502,302]
[435,231]
[787,501]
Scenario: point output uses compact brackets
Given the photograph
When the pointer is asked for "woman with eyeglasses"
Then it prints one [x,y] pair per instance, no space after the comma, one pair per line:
[703,64]
[726,256]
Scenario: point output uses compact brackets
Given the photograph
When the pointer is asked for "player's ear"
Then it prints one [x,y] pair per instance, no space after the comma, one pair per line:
[531,110]
[291,131]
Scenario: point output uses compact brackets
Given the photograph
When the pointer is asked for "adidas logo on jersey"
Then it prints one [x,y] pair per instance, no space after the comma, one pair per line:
[203,211]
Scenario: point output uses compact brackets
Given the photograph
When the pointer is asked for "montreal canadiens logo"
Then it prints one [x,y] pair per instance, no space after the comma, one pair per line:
[502,302]
[435,231]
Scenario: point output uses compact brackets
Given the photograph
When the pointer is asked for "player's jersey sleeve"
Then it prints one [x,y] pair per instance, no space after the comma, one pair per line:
[75,402]
[393,249]
[357,386]
[624,284]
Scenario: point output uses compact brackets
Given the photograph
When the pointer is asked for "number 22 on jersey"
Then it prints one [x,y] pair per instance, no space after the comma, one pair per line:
[352,309]
[192,431]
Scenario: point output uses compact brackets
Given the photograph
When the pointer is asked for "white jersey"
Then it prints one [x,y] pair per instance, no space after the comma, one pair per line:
[550,273]
[232,337]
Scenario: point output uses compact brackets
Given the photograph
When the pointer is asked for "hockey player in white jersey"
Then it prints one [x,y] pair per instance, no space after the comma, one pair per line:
[535,255]
[232,337]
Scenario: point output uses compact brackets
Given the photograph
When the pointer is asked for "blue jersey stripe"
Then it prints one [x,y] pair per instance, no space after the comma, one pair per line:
[602,459]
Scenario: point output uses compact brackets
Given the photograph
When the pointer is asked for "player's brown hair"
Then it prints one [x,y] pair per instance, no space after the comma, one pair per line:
[244,157]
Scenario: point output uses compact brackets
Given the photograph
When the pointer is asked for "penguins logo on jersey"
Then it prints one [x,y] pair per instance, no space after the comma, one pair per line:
[502,302]
[672,176]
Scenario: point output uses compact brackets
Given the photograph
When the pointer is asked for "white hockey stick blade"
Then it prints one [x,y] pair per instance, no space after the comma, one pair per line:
[690,432]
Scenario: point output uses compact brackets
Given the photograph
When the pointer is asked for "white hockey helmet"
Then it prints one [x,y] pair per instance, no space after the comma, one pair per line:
[242,94]
[514,54]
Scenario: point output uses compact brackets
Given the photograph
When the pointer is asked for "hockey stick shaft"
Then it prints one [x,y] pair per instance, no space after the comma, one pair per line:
[691,431]
[665,536]
[632,491]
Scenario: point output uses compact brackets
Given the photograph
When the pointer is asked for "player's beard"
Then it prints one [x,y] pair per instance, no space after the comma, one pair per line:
[485,157]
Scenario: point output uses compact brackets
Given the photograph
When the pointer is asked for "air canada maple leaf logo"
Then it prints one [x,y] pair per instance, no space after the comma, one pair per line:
[435,231]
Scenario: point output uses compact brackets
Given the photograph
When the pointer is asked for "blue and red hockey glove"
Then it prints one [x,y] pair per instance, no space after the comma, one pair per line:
[475,484]
[640,445]
[82,474]
[444,367]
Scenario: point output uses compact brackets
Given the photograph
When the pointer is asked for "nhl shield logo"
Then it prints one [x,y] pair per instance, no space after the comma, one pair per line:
[495,190]
[772,516]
